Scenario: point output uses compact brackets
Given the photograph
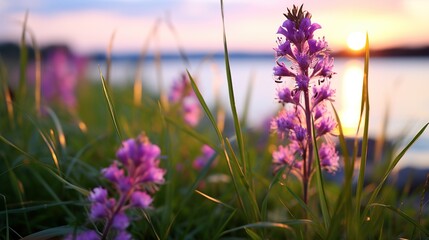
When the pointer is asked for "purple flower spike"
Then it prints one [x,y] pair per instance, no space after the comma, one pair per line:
[135,174]
[306,62]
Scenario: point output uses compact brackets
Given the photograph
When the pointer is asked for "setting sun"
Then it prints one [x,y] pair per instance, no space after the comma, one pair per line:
[356,40]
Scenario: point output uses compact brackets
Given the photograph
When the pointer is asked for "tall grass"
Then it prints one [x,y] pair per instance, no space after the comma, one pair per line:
[49,164]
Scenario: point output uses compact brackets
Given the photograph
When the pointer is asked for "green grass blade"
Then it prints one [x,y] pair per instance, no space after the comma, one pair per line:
[214,200]
[50,233]
[137,87]
[320,182]
[282,225]
[365,115]
[147,217]
[250,202]
[109,58]
[6,93]
[247,99]
[22,86]
[274,181]
[392,166]
[72,186]
[38,207]
[206,108]
[57,123]
[37,74]
[52,192]
[252,234]
[6,217]
[220,138]
[51,150]
[76,158]
[403,215]
[3,139]
[237,125]
[111,107]
[314,217]
[219,233]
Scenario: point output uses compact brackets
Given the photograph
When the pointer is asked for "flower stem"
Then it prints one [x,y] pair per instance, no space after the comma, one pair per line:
[308,154]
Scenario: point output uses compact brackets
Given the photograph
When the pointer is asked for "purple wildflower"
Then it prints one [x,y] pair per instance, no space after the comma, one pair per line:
[206,154]
[306,61]
[181,93]
[134,176]
[60,73]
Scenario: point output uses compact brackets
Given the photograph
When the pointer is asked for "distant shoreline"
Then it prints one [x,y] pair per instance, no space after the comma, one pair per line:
[11,50]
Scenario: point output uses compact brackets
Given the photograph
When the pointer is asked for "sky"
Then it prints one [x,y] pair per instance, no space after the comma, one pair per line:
[251,25]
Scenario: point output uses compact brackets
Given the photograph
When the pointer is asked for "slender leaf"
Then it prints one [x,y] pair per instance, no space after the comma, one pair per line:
[392,166]
[274,181]
[205,108]
[214,200]
[320,182]
[7,95]
[36,207]
[52,192]
[219,233]
[50,233]
[238,131]
[282,225]
[365,138]
[252,234]
[6,213]
[403,215]
[22,87]
[72,186]
[108,97]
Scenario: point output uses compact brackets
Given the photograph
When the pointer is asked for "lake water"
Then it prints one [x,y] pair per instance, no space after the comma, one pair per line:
[397,85]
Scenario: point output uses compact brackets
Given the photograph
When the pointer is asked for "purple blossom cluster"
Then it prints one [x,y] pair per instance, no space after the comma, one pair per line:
[181,93]
[135,176]
[307,62]
[60,72]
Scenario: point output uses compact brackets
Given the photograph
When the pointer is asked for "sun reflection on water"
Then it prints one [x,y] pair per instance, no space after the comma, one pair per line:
[351,93]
